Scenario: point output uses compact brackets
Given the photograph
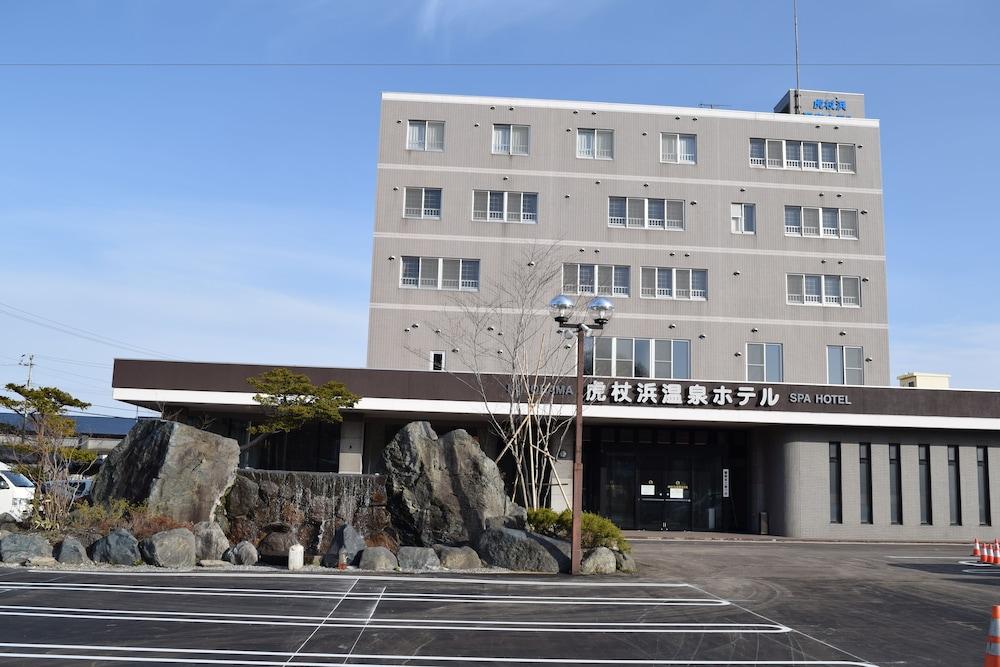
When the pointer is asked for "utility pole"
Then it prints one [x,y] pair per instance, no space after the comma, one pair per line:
[29,361]
[795,25]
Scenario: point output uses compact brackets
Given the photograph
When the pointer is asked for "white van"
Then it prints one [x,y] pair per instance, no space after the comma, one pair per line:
[16,493]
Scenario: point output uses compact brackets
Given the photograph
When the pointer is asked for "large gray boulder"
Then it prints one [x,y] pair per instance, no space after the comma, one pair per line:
[178,470]
[379,559]
[348,539]
[457,558]
[279,538]
[116,548]
[444,490]
[625,562]
[515,550]
[70,551]
[243,553]
[170,548]
[599,561]
[417,558]
[210,541]
[19,547]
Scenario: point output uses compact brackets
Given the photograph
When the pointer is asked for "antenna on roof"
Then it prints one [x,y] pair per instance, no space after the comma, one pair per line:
[795,25]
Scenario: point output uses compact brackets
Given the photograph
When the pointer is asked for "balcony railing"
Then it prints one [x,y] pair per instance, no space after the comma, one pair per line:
[830,231]
[636,222]
[604,153]
[656,223]
[529,217]
[408,281]
[675,224]
[687,157]
[757,161]
[429,282]
[616,221]
[432,213]
[470,284]
[832,299]
[680,293]
[449,283]
[846,166]
[620,291]
[849,232]
[412,212]
[850,300]
[501,148]
[832,166]
[774,162]
[810,231]
[795,298]
[793,164]
[810,164]
[793,229]
[699,294]
[814,298]
[668,157]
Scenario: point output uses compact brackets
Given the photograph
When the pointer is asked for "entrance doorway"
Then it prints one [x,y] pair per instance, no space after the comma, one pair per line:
[667,479]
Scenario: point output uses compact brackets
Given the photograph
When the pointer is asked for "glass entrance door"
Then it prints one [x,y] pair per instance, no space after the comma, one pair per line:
[665,490]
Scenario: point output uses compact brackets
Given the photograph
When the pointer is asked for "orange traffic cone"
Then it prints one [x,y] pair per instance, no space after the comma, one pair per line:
[993,640]
[987,557]
[976,551]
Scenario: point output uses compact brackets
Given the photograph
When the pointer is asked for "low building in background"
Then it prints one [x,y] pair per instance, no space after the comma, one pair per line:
[98,433]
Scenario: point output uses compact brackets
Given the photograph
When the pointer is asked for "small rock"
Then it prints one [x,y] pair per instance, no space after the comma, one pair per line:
[41,561]
[418,558]
[19,547]
[599,561]
[210,541]
[279,539]
[625,562]
[379,559]
[71,551]
[117,548]
[458,558]
[243,553]
[515,550]
[211,563]
[170,548]
[7,519]
[350,540]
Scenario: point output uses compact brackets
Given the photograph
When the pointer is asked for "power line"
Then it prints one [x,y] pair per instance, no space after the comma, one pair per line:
[410,65]
[75,362]
[38,320]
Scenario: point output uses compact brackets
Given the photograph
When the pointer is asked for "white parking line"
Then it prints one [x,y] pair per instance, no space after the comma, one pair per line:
[101,653]
[499,580]
[331,621]
[303,644]
[463,598]
[926,557]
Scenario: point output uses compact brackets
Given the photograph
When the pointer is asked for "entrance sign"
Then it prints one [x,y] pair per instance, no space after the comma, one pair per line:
[725,482]
[669,393]
[647,489]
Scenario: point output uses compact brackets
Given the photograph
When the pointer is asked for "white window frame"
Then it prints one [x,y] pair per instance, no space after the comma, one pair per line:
[444,358]
[424,214]
[679,158]
[653,344]
[522,217]
[424,147]
[594,131]
[617,290]
[783,161]
[472,286]
[666,223]
[690,292]
[510,142]
[739,223]
[781,361]
[830,300]
[843,364]
[841,233]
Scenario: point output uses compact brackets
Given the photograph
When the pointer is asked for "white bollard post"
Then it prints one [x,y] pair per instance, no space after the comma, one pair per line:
[296,557]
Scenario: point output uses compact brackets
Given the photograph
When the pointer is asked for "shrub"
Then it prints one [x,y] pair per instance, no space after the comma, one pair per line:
[595,530]
[104,517]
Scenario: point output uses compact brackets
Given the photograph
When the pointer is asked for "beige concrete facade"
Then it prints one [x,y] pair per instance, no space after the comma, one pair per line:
[746,273]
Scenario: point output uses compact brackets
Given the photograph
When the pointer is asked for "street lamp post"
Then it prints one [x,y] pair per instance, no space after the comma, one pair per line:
[600,311]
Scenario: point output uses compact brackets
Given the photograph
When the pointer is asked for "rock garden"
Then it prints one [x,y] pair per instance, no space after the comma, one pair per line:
[172,496]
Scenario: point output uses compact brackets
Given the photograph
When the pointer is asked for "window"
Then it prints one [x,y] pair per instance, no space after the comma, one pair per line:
[437,360]
[954,487]
[510,139]
[439,273]
[667,283]
[497,206]
[844,365]
[983,477]
[836,505]
[595,144]
[802,155]
[815,290]
[826,222]
[678,148]
[422,203]
[764,362]
[744,218]
[601,279]
[865,470]
[895,487]
[637,358]
[926,517]
[425,135]
[641,213]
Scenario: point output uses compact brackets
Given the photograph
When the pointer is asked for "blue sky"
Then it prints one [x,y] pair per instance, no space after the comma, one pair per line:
[223,212]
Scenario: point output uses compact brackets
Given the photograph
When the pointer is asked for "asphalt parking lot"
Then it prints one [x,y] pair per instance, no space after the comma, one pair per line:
[696,603]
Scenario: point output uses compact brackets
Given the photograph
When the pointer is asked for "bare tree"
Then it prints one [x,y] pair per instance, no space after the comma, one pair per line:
[502,342]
